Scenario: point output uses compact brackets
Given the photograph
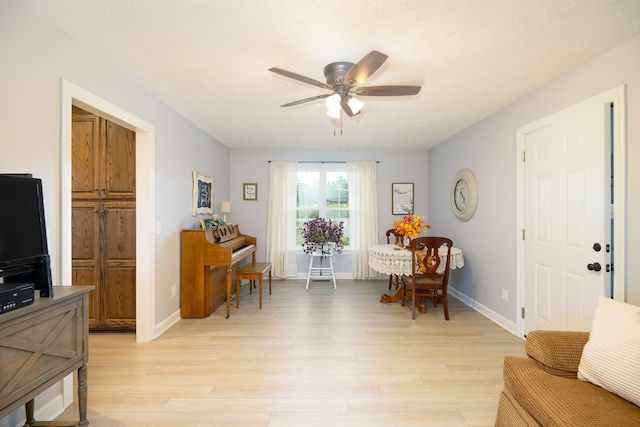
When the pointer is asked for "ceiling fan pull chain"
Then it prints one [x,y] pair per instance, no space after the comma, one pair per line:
[334,126]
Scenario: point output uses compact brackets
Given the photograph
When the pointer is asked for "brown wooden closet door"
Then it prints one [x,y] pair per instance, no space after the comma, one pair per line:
[119,290]
[119,162]
[104,219]
[86,264]
[86,166]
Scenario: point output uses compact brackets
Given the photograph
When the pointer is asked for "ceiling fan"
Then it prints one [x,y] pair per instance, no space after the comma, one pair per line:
[344,80]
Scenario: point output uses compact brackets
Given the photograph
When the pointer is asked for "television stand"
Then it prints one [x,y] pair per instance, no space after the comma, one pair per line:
[53,332]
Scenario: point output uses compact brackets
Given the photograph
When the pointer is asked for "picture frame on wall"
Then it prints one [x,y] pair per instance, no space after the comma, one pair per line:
[202,194]
[250,191]
[402,198]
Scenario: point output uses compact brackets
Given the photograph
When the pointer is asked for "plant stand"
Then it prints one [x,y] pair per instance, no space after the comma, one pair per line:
[316,273]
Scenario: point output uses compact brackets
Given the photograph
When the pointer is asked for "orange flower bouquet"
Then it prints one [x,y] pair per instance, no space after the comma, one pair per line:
[411,226]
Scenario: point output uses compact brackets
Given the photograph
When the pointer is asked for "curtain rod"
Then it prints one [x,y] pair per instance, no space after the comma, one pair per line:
[323,161]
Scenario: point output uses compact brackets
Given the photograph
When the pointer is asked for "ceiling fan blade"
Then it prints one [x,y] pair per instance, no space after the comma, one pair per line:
[387,90]
[302,101]
[300,78]
[364,68]
[344,103]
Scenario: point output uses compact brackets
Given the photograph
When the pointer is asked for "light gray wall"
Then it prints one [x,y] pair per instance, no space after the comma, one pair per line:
[249,166]
[489,239]
[34,58]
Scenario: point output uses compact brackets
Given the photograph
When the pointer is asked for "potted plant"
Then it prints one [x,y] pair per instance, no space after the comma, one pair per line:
[212,222]
[322,236]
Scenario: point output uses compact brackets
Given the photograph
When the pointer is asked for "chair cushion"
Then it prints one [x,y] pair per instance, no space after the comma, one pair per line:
[611,357]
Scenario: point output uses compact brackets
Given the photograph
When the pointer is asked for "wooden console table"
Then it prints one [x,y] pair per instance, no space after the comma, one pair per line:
[40,345]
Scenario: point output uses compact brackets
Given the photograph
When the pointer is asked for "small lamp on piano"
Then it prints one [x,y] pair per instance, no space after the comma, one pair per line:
[225,208]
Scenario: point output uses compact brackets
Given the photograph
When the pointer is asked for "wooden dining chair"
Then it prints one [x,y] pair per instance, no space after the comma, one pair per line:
[398,240]
[427,280]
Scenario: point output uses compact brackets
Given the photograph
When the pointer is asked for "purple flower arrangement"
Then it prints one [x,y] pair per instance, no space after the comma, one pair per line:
[322,235]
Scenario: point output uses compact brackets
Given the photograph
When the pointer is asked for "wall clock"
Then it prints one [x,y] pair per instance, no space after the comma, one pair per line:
[464,194]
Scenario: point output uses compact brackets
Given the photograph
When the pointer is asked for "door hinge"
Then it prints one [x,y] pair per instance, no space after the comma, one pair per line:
[523,234]
[522,312]
[523,157]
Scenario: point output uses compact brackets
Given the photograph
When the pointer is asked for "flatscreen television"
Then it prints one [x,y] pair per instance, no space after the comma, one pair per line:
[24,253]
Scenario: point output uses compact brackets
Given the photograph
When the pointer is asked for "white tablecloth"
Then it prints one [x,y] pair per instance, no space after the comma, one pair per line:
[390,259]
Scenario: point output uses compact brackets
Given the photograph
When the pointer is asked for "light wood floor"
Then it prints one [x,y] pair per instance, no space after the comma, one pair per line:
[321,357]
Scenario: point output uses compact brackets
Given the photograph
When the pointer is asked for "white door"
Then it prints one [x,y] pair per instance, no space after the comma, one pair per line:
[567,187]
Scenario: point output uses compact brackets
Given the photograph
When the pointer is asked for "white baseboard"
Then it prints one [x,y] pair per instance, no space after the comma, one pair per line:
[166,324]
[44,409]
[486,312]
[51,409]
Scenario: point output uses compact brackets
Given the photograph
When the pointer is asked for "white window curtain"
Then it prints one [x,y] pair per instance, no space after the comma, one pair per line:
[281,219]
[363,215]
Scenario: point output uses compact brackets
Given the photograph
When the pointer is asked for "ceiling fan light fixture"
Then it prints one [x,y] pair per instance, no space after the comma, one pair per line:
[334,112]
[355,105]
[333,106]
[333,102]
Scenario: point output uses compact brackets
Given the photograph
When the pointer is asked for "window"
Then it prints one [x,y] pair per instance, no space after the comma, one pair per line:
[322,191]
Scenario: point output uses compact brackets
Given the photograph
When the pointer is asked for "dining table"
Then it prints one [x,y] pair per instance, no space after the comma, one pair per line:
[394,259]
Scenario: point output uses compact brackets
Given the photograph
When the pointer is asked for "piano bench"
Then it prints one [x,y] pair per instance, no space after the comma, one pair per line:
[252,272]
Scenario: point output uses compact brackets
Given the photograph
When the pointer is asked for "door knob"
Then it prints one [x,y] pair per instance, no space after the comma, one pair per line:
[594,267]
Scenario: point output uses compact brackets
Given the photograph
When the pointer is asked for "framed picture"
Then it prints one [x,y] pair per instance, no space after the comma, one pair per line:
[402,198]
[202,194]
[250,191]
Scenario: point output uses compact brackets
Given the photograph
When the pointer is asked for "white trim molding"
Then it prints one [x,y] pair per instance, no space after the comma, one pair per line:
[71,94]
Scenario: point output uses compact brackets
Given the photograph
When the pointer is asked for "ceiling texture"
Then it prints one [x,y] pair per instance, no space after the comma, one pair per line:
[209,59]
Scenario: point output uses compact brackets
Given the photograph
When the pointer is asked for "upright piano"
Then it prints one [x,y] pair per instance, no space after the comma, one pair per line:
[210,259]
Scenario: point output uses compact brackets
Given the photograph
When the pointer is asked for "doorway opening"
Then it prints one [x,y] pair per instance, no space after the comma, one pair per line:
[72,94]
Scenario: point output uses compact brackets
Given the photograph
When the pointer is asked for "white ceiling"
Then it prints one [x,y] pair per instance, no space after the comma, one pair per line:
[209,59]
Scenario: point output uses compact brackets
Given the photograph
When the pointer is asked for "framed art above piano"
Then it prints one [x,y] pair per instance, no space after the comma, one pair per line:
[202,194]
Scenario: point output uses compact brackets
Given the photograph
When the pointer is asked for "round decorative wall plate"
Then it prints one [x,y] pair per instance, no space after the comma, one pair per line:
[464,194]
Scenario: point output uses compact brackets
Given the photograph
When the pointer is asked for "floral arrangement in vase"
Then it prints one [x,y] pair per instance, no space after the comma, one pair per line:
[322,235]
[410,226]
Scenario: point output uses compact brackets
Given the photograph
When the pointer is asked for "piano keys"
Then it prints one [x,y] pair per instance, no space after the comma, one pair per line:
[210,259]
